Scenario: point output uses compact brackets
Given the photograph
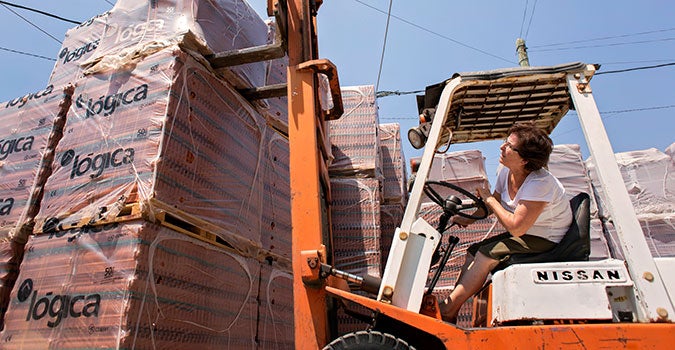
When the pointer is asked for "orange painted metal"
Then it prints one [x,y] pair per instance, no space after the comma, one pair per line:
[310,212]
[568,336]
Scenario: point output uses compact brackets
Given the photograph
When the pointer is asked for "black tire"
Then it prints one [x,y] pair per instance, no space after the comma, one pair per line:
[368,340]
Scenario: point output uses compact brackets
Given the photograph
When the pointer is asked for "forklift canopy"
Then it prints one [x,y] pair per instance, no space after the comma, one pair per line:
[485,104]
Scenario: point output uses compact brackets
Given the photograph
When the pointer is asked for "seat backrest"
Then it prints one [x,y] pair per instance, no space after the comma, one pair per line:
[574,246]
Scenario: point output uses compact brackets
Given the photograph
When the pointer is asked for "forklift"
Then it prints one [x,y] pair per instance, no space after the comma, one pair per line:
[534,302]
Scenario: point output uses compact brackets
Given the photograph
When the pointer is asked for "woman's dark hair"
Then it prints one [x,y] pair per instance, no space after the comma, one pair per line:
[535,145]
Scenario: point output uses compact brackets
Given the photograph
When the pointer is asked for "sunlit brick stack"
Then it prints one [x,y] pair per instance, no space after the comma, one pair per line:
[166,215]
[649,178]
[356,189]
[465,169]
[567,164]
[31,125]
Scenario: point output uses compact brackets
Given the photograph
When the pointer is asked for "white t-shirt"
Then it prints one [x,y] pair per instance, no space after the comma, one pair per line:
[540,186]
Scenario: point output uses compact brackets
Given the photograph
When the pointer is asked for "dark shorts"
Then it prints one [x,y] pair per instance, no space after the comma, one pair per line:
[501,246]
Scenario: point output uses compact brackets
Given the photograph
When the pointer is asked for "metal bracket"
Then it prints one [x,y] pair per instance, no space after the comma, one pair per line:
[327,67]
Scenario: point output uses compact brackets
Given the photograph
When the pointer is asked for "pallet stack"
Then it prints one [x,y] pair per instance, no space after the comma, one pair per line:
[649,177]
[356,190]
[465,169]
[165,220]
[567,164]
[394,186]
[31,126]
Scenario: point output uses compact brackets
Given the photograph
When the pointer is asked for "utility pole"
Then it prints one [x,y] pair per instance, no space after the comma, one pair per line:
[523,61]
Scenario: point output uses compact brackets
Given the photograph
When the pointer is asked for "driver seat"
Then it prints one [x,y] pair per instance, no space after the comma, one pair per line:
[575,245]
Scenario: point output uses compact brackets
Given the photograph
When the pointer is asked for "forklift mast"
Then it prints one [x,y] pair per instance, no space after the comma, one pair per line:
[310,186]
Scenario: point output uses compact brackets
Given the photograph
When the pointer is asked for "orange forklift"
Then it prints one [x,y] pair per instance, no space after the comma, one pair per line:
[630,306]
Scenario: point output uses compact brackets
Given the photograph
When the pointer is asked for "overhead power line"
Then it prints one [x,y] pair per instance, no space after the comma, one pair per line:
[636,68]
[604,38]
[40,12]
[604,45]
[31,23]
[522,23]
[28,54]
[384,46]
[437,34]
[529,24]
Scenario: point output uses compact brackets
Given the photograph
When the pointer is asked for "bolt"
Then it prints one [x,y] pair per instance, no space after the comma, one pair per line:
[577,76]
[312,262]
[663,313]
[648,276]
[388,291]
[403,236]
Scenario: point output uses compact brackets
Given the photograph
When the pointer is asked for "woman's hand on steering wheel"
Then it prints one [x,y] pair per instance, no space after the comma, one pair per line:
[455,206]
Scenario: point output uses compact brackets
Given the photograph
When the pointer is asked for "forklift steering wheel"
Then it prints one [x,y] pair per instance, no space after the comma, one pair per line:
[453,205]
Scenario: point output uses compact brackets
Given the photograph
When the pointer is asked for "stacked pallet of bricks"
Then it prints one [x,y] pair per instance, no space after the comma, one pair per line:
[165,219]
[356,190]
[649,178]
[567,164]
[31,125]
[465,169]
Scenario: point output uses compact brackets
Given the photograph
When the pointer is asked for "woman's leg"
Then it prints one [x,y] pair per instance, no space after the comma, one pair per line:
[470,280]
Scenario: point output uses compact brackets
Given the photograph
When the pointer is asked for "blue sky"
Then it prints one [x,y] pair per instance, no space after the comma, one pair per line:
[427,41]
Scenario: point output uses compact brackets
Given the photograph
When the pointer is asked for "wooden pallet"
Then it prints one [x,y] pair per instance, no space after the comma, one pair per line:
[168,216]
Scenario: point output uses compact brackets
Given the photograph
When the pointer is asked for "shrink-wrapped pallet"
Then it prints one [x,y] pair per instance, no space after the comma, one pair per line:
[658,230]
[208,27]
[30,127]
[670,150]
[354,137]
[355,218]
[391,216]
[79,44]
[166,131]
[394,185]
[567,164]
[11,255]
[140,285]
[465,169]
[649,178]
[474,233]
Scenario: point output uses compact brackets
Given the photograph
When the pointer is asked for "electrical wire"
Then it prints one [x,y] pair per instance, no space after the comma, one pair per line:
[384,46]
[636,68]
[522,23]
[437,34]
[31,23]
[604,45]
[38,11]
[531,16]
[604,38]
[28,54]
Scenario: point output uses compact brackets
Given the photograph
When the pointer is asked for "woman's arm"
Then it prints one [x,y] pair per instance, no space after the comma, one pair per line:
[518,222]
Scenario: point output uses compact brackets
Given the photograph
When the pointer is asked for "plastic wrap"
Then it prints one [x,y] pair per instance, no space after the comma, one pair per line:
[30,127]
[476,232]
[670,150]
[354,137]
[167,131]
[140,285]
[206,26]
[79,44]
[649,177]
[658,230]
[567,164]
[391,216]
[355,218]
[394,186]
[11,255]
[599,247]
[465,169]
